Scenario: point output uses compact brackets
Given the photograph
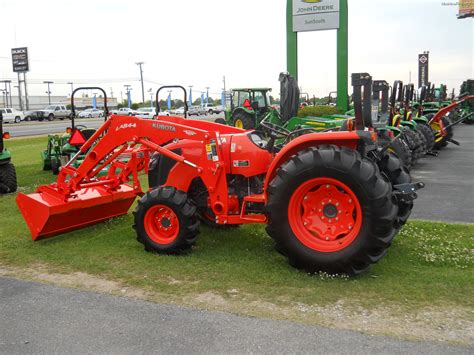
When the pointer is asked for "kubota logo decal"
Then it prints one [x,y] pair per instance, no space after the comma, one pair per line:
[189,133]
[164,127]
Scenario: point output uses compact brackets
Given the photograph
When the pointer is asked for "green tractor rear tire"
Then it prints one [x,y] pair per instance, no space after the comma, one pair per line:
[8,181]
[428,134]
[243,120]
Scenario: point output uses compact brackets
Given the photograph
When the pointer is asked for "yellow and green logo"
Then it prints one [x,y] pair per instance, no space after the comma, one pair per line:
[311,1]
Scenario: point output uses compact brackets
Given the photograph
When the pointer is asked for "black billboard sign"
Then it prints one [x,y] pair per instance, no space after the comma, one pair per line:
[20,60]
[423,64]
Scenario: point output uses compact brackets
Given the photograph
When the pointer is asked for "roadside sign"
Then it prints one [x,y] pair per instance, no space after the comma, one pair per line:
[315,15]
[423,66]
[20,60]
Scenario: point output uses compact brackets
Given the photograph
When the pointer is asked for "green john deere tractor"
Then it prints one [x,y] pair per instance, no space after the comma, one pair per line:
[8,181]
[248,107]
[467,107]
[62,147]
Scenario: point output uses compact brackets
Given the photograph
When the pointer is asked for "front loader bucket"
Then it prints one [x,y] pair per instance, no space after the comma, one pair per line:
[47,213]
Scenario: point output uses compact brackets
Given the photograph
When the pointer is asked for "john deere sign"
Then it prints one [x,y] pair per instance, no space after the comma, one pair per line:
[315,15]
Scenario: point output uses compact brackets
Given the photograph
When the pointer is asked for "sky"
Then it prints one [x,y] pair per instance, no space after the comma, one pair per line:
[189,42]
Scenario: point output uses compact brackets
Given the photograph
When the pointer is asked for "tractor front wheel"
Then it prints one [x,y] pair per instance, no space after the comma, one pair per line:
[165,221]
[244,121]
[8,181]
[330,210]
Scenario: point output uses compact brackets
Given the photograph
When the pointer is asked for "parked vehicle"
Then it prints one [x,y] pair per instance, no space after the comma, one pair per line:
[179,111]
[34,115]
[91,113]
[124,111]
[146,112]
[211,109]
[194,111]
[12,115]
[55,111]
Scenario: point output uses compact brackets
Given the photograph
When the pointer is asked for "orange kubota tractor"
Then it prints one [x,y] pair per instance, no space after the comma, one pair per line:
[326,204]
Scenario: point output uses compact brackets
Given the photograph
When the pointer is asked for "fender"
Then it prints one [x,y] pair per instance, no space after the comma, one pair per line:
[349,139]
[410,124]
[421,120]
[243,109]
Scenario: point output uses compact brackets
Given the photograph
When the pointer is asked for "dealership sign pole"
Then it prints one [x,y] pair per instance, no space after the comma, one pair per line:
[319,15]
[21,64]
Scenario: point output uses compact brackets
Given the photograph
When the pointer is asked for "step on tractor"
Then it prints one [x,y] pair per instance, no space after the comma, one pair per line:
[8,182]
[61,148]
[331,201]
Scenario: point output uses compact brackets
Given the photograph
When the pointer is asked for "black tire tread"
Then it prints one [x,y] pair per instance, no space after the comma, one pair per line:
[376,189]
[8,181]
[184,209]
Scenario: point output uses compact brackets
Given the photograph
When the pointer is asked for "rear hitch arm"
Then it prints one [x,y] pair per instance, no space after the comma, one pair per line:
[407,192]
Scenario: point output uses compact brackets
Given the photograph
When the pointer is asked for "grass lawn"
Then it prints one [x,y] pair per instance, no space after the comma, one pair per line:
[429,268]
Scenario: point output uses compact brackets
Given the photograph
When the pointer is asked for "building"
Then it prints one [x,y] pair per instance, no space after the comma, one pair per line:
[40,102]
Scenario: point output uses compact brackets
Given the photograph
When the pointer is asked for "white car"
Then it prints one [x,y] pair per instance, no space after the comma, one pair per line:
[124,111]
[179,111]
[91,113]
[146,112]
[12,115]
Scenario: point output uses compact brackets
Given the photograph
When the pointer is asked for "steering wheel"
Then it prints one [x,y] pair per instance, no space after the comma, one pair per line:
[274,130]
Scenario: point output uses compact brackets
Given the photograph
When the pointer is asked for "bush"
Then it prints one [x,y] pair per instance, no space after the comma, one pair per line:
[318,111]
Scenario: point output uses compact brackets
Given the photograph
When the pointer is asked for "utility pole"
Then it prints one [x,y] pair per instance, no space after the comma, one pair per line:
[6,92]
[207,94]
[111,93]
[49,90]
[224,83]
[141,78]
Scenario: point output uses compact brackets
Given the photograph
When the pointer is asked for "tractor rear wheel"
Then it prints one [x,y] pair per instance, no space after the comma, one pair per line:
[399,147]
[165,221]
[244,121]
[414,144]
[55,166]
[392,166]
[331,210]
[428,134]
[8,182]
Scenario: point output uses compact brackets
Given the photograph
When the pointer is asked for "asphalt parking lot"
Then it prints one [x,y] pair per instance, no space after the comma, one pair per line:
[42,319]
[449,178]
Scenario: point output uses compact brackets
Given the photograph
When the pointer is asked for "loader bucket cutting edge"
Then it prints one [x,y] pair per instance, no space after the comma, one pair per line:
[47,215]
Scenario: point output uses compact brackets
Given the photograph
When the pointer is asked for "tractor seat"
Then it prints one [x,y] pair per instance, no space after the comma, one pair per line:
[87,133]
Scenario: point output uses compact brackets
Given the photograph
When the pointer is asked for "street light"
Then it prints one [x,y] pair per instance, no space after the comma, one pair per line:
[49,90]
[150,92]
[141,78]
[72,86]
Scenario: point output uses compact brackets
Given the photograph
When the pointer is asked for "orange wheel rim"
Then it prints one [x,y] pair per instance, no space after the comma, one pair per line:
[161,224]
[325,215]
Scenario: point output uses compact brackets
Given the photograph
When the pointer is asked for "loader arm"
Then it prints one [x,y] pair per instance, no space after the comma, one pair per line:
[79,198]
[437,118]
